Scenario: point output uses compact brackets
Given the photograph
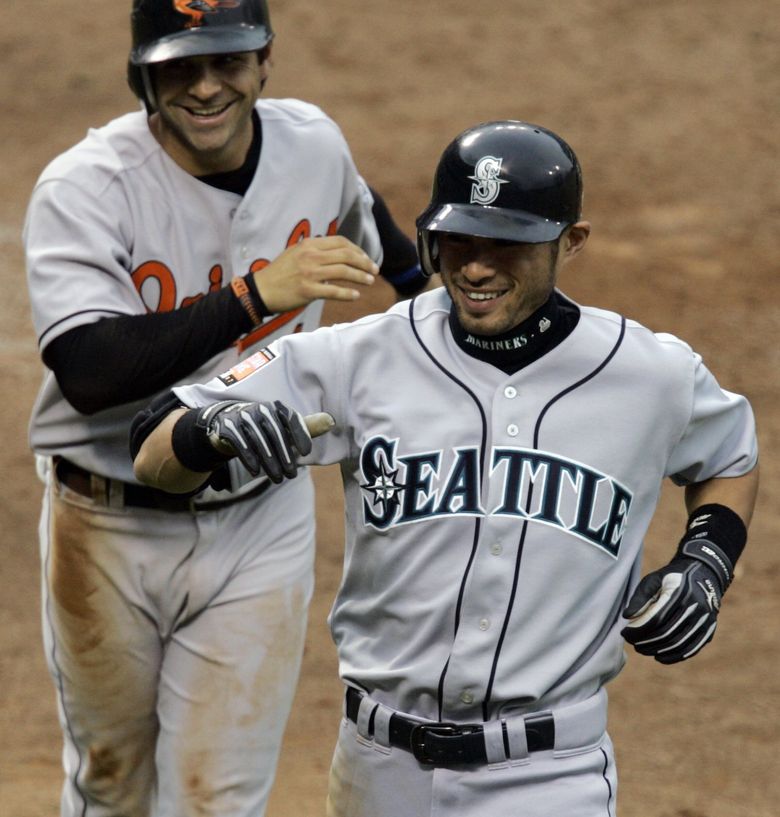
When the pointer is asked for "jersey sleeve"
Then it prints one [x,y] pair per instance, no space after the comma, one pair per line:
[720,437]
[78,262]
[357,219]
[304,371]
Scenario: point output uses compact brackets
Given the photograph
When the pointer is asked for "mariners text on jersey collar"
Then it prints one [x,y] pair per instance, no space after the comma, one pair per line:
[528,341]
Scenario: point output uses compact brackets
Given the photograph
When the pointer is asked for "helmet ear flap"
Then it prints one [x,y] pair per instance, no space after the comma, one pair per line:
[428,251]
[433,244]
[141,85]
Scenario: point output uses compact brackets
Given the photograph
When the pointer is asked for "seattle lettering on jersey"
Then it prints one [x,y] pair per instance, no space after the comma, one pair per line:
[534,485]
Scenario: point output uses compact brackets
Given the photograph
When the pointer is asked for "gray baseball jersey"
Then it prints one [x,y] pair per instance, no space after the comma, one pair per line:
[147,610]
[116,227]
[494,522]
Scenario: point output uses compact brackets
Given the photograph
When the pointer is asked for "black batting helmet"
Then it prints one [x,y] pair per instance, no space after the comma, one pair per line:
[171,29]
[505,179]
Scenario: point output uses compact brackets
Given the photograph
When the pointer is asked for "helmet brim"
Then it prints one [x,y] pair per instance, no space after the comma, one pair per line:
[490,222]
[197,42]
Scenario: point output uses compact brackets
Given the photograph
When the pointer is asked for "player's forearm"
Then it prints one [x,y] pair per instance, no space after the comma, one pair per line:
[156,464]
[737,493]
[124,359]
[400,265]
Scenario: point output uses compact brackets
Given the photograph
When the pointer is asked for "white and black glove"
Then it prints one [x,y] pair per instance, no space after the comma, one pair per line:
[266,437]
[674,610]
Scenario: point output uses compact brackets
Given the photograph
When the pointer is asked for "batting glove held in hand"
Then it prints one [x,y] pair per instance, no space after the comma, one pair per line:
[266,437]
[673,612]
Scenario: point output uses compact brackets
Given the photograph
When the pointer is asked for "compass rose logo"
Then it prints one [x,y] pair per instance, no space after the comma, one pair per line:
[384,489]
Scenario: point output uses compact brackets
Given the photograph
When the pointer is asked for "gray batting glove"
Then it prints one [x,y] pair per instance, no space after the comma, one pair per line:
[266,437]
[673,611]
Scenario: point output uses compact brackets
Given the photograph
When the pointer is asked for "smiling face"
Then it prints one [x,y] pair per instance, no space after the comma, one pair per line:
[494,284]
[204,116]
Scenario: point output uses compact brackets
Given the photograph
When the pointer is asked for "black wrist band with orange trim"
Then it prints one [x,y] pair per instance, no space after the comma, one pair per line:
[241,291]
[257,299]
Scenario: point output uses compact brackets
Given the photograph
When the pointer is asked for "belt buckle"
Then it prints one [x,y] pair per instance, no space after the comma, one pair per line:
[417,738]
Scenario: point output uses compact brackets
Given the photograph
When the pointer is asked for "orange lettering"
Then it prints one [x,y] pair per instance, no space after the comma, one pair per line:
[165,281]
[301,230]
[215,278]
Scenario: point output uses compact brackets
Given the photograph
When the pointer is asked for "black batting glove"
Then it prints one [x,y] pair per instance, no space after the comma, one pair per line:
[673,612]
[266,437]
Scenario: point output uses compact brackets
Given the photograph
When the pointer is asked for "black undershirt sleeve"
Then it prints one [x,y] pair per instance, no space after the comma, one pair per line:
[400,266]
[124,359]
[120,360]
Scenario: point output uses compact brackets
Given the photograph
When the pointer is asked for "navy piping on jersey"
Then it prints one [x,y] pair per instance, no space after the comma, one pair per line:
[524,530]
[606,780]
[477,521]
[521,542]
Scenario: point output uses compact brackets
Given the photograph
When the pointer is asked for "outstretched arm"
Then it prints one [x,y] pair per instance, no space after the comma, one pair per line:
[178,451]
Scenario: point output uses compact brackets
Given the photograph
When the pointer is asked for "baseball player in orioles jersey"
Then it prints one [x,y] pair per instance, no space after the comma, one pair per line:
[169,245]
[502,450]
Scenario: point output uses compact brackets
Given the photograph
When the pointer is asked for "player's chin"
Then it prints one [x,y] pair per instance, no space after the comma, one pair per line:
[484,317]
[482,324]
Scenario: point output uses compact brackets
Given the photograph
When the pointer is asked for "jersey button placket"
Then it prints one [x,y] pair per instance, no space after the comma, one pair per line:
[510,393]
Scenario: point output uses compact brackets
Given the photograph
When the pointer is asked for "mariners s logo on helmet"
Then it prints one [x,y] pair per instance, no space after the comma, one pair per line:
[486,185]
[195,9]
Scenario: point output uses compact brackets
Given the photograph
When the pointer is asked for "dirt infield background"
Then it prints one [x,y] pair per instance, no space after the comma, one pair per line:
[672,109]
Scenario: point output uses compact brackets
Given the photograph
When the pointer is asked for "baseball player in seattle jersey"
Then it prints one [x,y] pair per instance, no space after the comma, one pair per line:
[170,245]
[502,450]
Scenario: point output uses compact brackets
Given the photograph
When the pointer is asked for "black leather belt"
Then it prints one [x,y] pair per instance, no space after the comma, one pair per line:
[81,481]
[444,744]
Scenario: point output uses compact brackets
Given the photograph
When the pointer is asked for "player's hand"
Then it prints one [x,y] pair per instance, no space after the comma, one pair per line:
[266,437]
[673,612]
[315,268]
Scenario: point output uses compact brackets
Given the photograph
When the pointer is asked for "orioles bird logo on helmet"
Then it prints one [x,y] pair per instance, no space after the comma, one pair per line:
[197,9]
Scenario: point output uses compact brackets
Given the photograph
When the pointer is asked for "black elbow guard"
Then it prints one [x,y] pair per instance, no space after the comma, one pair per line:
[145,422]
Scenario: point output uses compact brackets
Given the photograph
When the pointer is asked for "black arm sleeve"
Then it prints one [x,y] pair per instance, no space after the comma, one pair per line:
[400,266]
[120,360]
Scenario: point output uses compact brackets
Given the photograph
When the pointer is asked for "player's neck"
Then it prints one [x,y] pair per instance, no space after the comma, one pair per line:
[238,181]
[199,161]
[526,342]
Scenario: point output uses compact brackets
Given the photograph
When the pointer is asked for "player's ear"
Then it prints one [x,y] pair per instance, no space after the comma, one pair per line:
[264,63]
[574,238]
[264,56]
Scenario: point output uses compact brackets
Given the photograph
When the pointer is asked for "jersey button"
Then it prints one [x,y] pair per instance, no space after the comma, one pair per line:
[496,549]
[466,697]
[484,624]
[510,392]
[245,252]
[512,430]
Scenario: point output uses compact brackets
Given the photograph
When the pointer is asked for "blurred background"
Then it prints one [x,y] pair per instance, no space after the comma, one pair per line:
[673,111]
